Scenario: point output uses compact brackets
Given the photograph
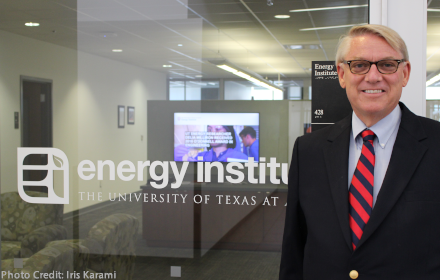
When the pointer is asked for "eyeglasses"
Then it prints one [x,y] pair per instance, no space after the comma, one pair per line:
[386,66]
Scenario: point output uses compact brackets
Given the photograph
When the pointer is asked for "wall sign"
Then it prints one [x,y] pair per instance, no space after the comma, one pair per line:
[329,100]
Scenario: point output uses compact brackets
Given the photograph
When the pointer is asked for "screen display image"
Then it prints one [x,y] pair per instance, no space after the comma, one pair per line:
[224,137]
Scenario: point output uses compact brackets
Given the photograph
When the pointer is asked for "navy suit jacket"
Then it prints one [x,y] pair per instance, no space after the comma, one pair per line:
[402,238]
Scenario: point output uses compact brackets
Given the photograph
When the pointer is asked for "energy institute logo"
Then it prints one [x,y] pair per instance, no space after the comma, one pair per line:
[56,161]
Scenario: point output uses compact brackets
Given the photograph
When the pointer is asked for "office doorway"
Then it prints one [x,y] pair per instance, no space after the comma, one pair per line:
[36,124]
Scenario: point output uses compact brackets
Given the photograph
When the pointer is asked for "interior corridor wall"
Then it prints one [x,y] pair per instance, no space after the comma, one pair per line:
[86,92]
[103,84]
[24,56]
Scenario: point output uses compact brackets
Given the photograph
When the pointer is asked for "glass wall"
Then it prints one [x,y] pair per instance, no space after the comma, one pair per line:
[194,90]
[433,57]
[151,139]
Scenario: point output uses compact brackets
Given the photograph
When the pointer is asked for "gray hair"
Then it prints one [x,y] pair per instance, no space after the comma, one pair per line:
[391,36]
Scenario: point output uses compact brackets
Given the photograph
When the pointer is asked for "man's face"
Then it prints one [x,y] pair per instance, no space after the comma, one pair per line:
[373,95]
[245,140]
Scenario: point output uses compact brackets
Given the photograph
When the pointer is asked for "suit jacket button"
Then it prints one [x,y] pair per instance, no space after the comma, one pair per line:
[354,274]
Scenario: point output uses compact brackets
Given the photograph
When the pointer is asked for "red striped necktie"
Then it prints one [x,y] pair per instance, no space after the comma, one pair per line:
[360,194]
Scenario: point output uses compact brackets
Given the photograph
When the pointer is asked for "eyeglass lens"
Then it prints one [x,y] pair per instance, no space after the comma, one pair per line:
[384,66]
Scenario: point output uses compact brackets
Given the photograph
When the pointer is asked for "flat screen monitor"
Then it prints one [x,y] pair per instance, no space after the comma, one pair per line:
[224,137]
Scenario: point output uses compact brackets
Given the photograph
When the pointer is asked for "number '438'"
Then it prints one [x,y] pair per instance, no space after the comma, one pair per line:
[319,112]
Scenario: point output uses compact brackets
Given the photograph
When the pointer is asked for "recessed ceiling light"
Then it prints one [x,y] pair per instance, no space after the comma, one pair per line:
[167,65]
[179,45]
[302,47]
[32,24]
[330,27]
[328,8]
[116,50]
[199,76]
[282,16]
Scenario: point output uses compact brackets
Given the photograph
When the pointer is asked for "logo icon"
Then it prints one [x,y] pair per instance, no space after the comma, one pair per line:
[56,161]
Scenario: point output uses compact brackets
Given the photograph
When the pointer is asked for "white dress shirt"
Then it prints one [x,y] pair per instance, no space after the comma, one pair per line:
[386,131]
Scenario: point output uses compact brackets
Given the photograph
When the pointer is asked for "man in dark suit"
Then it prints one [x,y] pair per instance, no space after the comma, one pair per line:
[364,193]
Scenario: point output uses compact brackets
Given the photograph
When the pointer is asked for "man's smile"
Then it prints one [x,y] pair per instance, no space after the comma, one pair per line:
[373,90]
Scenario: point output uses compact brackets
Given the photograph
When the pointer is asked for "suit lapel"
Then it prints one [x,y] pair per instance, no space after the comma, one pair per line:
[407,153]
[336,160]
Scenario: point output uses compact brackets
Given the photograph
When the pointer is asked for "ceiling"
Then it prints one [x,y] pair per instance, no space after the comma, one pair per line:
[245,32]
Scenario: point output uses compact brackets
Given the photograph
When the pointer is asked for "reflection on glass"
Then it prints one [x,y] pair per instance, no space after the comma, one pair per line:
[156,56]
[433,60]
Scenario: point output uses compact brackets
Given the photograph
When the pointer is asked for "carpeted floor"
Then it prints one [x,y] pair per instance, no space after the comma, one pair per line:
[155,263]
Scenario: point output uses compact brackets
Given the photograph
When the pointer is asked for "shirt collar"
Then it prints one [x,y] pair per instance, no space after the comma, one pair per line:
[383,128]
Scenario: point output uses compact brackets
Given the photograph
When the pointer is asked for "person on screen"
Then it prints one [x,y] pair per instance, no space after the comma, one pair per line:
[218,151]
[249,138]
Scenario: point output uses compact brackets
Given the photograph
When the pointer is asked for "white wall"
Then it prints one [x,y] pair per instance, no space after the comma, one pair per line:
[24,56]
[86,92]
[104,84]
[409,19]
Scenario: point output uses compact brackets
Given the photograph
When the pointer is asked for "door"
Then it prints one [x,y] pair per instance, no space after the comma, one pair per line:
[36,116]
